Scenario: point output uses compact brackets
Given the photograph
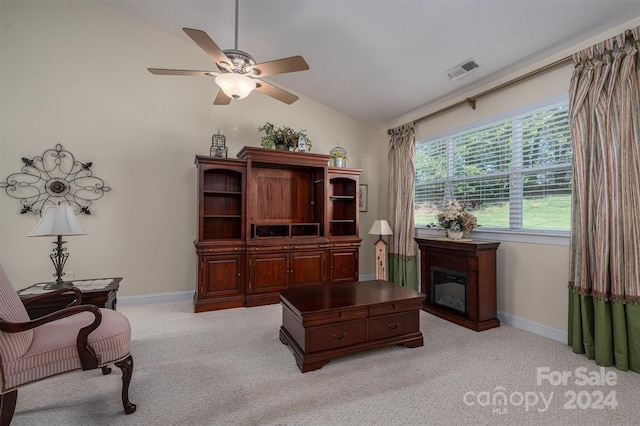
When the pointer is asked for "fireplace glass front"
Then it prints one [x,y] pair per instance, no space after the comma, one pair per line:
[448,288]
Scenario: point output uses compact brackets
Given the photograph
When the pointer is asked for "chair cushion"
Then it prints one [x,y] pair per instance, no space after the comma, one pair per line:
[12,345]
[54,351]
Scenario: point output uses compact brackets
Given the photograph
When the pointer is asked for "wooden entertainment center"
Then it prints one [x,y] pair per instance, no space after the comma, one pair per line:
[272,220]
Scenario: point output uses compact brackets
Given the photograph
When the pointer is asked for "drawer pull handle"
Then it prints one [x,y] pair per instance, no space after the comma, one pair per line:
[340,315]
[395,306]
[339,339]
[393,327]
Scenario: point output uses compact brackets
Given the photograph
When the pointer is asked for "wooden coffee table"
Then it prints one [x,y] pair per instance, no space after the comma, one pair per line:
[329,321]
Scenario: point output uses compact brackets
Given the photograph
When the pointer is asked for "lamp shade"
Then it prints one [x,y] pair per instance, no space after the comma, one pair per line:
[234,85]
[57,220]
[380,227]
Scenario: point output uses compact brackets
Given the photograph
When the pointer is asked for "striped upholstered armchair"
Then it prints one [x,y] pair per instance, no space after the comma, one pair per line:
[76,337]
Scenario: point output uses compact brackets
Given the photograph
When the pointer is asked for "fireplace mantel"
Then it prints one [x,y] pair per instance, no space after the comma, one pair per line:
[474,259]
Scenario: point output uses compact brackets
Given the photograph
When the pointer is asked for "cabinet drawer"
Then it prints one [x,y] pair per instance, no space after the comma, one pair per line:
[396,307]
[337,335]
[332,317]
[393,325]
[284,245]
[219,249]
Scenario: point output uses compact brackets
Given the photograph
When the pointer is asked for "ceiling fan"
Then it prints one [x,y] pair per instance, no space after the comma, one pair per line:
[238,71]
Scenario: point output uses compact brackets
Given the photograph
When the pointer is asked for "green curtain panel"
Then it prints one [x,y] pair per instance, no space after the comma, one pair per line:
[403,271]
[402,176]
[604,283]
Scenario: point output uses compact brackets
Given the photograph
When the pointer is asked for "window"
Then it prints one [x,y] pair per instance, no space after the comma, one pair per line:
[513,173]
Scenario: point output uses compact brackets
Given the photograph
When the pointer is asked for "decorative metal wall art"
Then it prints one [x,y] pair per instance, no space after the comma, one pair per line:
[55,178]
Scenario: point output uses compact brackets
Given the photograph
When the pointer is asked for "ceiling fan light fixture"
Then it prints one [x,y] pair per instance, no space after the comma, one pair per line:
[234,85]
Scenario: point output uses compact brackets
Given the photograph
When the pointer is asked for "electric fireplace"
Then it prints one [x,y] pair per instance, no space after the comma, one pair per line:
[459,281]
[448,289]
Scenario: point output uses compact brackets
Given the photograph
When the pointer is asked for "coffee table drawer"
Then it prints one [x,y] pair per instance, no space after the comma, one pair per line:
[393,325]
[396,307]
[337,335]
[332,317]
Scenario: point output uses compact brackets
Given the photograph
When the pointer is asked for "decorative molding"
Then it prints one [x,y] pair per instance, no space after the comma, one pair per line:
[55,178]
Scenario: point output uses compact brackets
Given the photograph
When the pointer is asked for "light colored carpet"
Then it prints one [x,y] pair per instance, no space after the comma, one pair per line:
[230,368]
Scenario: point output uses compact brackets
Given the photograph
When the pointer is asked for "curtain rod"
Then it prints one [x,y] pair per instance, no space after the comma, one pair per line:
[471,101]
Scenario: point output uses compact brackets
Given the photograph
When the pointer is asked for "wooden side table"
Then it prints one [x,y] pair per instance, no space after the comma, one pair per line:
[98,291]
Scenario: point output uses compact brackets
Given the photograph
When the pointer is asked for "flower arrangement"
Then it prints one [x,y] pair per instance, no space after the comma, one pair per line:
[455,217]
[281,137]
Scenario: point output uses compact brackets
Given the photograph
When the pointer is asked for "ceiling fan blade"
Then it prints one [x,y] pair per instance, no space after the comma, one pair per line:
[279,66]
[275,92]
[162,71]
[210,47]
[222,99]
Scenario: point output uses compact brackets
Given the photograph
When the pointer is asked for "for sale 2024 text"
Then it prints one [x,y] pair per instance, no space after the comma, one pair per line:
[583,399]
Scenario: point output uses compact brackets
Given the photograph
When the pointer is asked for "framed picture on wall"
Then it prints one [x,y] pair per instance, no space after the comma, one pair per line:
[363,198]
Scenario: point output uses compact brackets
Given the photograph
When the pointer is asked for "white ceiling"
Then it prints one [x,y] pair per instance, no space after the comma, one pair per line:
[377,60]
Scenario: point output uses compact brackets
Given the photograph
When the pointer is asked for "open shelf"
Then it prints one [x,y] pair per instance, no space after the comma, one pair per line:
[221,204]
[286,230]
[221,227]
[343,207]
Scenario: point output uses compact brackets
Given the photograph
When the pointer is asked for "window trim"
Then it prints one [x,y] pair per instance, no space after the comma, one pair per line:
[555,238]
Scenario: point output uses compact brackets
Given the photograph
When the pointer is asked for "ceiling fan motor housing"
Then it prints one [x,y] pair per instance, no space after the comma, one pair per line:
[240,61]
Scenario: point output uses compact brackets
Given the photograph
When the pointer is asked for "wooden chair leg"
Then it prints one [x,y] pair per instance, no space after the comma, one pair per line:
[126,365]
[8,406]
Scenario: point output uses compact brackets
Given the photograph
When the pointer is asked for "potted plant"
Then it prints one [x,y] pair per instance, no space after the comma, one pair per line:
[283,137]
[338,157]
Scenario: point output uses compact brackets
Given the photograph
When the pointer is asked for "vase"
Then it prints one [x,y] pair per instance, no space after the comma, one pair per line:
[337,162]
[454,235]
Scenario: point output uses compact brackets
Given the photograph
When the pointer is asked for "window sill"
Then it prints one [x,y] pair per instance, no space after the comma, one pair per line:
[549,238]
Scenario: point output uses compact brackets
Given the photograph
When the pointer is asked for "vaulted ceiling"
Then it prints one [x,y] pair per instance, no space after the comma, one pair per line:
[377,60]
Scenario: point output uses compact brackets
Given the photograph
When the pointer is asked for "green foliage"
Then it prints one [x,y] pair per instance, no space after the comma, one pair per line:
[282,135]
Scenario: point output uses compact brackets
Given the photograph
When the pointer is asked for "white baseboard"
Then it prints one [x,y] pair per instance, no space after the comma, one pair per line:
[533,327]
[176,296]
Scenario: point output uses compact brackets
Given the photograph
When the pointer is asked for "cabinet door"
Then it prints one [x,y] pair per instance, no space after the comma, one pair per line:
[221,275]
[343,265]
[306,268]
[268,272]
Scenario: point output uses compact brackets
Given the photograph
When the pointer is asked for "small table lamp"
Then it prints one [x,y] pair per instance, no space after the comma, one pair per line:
[381,227]
[57,221]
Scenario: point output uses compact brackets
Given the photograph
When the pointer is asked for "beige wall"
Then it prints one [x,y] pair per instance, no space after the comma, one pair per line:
[75,73]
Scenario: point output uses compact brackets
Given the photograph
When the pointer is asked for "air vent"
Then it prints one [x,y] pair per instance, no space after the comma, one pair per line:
[462,69]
